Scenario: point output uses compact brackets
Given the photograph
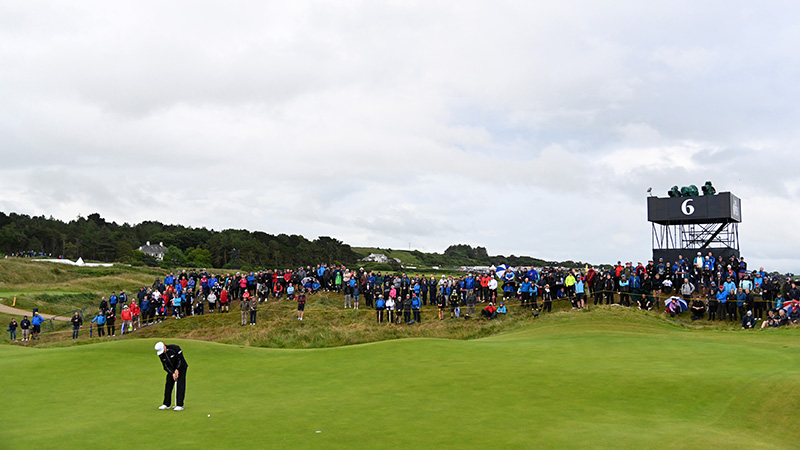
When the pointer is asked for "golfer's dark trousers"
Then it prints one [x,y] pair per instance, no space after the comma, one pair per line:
[181,381]
[547,306]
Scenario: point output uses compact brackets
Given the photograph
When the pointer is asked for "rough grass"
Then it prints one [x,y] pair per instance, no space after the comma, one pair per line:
[326,324]
[59,289]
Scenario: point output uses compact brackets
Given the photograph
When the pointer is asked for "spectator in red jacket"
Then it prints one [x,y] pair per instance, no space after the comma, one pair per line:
[127,319]
[135,312]
[490,312]
[223,301]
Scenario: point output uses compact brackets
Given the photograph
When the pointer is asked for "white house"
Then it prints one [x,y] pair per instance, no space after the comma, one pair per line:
[156,251]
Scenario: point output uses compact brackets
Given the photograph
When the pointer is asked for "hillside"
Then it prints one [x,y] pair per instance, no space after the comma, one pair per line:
[453,257]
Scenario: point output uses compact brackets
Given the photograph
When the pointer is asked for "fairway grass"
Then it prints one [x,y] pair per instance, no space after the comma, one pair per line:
[581,381]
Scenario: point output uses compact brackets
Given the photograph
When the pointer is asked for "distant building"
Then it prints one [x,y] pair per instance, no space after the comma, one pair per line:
[378,258]
[156,251]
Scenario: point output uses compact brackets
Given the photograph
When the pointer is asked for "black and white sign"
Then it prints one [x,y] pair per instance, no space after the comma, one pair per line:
[721,208]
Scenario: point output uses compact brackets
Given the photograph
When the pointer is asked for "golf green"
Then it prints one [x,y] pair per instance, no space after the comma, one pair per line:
[587,381]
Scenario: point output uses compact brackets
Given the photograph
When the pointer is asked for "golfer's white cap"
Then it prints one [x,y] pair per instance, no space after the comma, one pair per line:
[160,348]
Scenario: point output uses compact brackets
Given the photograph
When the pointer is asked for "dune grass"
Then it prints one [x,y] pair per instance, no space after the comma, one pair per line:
[58,289]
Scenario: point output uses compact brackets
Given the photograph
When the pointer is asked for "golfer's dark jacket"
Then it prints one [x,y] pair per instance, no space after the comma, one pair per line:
[172,359]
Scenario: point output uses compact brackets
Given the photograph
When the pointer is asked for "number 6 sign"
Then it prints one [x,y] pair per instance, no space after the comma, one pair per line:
[687,208]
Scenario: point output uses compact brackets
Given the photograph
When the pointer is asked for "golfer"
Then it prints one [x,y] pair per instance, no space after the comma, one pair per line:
[175,365]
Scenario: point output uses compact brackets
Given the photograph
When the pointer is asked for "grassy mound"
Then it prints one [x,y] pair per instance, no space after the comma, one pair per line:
[608,379]
[58,288]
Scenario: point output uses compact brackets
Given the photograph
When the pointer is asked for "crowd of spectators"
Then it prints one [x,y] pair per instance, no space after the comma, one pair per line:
[722,290]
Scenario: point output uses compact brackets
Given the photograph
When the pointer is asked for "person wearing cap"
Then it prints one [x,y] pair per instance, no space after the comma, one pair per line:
[99,321]
[127,319]
[547,299]
[580,293]
[699,261]
[175,365]
[748,321]
[624,289]
[722,300]
[111,319]
[502,308]
[25,326]
[37,321]
[794,314]
[135,312]
[490,311]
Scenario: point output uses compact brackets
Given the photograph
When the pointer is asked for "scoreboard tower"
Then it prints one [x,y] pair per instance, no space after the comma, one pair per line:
[687,225]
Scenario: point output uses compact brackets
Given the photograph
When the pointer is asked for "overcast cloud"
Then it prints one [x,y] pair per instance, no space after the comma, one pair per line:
[526,127]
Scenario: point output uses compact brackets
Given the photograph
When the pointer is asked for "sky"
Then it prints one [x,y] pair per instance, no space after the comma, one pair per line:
[528,128]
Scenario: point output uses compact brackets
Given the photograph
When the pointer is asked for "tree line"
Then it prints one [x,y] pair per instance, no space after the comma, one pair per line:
[94,238]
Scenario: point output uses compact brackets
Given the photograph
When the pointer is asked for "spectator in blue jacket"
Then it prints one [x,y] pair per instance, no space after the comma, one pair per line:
[469,283]
[356,291]
[415,305]
[502,309]
[748,321]
[145,309]
[580,293]
[525,291]
[741,302]
[37,321]
[722,300]
[100,320]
